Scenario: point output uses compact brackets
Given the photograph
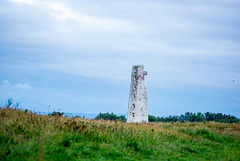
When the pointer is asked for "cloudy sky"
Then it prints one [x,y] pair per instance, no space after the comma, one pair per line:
[77,55]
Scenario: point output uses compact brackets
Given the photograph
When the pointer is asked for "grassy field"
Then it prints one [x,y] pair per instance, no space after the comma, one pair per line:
[28,136]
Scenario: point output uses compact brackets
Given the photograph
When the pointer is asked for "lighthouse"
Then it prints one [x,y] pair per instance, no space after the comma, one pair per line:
[137,105]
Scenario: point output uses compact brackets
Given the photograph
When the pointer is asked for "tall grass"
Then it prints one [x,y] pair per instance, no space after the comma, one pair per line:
[29,136]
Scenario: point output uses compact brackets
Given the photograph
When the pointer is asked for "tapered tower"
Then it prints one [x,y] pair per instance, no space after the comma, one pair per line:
[137,105]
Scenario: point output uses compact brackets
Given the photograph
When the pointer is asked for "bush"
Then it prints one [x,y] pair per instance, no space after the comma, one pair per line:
[54,113]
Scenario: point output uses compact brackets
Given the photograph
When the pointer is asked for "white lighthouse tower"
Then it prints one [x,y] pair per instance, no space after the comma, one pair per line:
[137,106]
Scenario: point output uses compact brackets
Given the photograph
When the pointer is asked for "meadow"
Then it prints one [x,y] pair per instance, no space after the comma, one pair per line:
[28,136]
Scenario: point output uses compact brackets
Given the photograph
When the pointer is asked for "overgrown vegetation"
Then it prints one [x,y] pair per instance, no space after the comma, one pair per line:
[28,136]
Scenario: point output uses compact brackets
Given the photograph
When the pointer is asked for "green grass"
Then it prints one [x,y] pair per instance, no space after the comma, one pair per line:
[28,136]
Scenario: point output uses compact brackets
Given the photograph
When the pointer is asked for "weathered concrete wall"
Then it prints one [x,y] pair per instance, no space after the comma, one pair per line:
[137,106]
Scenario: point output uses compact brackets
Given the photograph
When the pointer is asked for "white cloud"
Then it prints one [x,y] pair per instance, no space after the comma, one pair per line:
[62,12]
[24,1]
[22,86]
[6,83]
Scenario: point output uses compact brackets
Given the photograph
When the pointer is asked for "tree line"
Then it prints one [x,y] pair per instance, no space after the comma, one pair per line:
[110,116]
[187,117]
[196,117]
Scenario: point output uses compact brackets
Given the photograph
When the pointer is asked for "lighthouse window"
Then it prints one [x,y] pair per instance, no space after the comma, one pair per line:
[135,77]
[133,114]
[133,105]
[134,96]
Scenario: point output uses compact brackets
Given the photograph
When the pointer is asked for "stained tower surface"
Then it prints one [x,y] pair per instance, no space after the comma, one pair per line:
[137,105]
